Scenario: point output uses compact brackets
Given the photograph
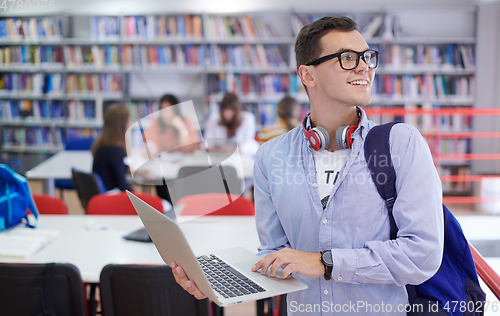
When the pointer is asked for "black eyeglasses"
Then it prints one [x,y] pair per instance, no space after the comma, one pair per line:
[349,59]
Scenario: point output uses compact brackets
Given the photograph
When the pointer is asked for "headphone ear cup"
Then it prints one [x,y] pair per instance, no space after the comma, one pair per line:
[325,137]
[314,139]
[312,135]
[341,137]
[350,131]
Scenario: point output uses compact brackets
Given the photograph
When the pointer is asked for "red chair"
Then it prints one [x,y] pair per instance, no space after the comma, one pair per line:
[198,204]
[47,204]
[119,204]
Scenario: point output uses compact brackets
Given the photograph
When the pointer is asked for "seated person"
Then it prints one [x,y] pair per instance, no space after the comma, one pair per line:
[288,117]
[171,131]
[109,149]
[233,123]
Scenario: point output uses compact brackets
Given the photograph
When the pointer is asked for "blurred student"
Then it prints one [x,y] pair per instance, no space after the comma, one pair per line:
[171,131]
[233,123]
[109,149]
[288,118]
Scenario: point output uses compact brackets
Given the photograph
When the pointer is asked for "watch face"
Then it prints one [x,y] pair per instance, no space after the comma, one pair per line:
[327,258]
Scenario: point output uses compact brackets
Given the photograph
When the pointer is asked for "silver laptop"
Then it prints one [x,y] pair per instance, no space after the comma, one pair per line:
[225,276]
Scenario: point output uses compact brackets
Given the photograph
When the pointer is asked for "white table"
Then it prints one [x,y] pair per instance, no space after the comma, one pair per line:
[91,249]
[91,242]
[59,166]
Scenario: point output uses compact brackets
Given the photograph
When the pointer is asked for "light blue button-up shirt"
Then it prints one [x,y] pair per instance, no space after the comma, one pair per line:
[370,271]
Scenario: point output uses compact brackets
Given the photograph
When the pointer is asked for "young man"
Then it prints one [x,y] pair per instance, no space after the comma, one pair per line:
[318,213]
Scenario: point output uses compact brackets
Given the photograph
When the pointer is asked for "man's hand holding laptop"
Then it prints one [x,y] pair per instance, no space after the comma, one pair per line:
[304,263]
[188,285]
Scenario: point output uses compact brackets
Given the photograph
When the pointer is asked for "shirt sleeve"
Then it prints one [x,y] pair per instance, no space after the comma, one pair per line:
[271,234]
[416,254]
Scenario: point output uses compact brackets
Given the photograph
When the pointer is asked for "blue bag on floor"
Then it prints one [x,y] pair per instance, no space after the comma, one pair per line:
[455,287]
[15,199]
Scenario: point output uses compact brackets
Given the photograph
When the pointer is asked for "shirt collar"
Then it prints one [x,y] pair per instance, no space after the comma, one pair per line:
[362,129]
[362,123]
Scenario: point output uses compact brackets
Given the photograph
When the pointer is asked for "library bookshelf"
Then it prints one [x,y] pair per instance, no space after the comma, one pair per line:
[59,73]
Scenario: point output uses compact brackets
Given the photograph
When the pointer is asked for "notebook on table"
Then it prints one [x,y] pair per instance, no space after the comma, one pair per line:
[225,276]
[20,243]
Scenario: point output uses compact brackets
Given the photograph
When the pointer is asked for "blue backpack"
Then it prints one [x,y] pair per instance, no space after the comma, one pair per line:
[455,287]
[15,199]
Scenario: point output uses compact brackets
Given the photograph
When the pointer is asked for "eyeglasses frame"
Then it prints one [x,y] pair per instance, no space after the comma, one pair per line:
[331,56]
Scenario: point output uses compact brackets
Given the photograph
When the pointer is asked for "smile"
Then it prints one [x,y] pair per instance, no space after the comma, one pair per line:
[359,82]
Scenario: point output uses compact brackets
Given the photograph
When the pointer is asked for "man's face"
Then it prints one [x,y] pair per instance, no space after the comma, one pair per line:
[349,87]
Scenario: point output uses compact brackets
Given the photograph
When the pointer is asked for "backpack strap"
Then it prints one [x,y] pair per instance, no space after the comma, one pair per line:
[9,206]
[379,161]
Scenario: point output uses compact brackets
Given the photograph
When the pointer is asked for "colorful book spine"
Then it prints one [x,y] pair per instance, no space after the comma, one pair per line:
[105,28]
[252,85]
[445,56]
[239,27]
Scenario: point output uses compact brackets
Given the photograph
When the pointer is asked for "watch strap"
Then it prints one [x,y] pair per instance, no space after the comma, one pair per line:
[328,267]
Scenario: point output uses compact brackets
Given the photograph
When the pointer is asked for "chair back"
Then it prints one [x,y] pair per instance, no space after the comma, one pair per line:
[41,289]
[131,290]
[47,204]
[87,185]
[73,144]
[119,203]
[218,203]
[201,179]
[79,144]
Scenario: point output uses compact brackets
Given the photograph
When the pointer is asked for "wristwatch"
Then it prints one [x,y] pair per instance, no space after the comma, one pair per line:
[326,259]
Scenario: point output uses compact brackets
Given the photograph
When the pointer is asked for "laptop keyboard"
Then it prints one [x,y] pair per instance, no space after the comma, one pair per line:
[225,279]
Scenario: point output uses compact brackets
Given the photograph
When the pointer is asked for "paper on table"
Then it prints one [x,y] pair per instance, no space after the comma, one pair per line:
[22,242]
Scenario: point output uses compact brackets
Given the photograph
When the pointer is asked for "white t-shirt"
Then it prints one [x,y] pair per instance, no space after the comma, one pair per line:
[245,133]
[328,165]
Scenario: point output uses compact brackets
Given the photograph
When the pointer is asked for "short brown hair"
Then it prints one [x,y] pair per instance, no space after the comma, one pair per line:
[114,128]
[307,44]
[286,107]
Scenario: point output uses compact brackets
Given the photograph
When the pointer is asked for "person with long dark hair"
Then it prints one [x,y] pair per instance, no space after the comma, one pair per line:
[233,123]
[109,149]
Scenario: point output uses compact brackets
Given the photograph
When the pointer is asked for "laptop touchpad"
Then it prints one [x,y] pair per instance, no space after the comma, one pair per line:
[246,268]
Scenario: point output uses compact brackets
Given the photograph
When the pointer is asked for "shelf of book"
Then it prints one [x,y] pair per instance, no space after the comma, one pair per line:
[250,54]
[414,70]
[32,149]
[28,123]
